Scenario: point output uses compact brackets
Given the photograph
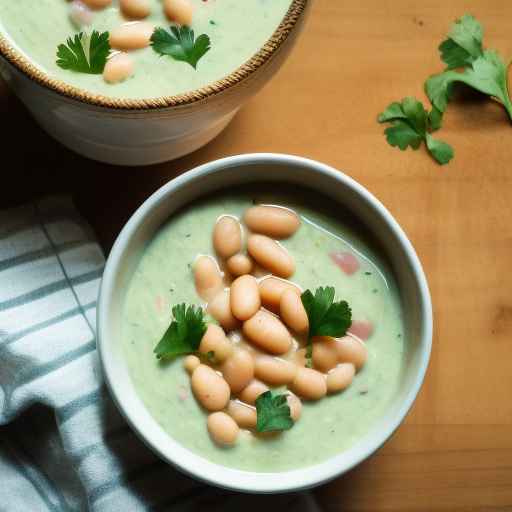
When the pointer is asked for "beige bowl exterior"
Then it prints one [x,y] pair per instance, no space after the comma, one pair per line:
[142,132]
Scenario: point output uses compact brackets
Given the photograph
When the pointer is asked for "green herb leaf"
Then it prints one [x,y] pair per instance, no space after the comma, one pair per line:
[411,124]
[402,135]
[184,334]
[273,413]
[435,119]
[487,74]
[441,151]
[84,53]
[180,44]
[326,317]
[464,43]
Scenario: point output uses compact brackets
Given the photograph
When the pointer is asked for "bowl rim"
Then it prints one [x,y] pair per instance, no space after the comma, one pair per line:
[244,71]
[223,476]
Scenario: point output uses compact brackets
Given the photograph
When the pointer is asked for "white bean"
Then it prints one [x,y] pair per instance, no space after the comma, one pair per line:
[238,370]
[268,332]
[135,9]
[215,340]
[273,221]
[131,36]
[309,384]
[222,428]
[252,391]
[80,14]
[239,265]
[352,350]
[325,353]
[270,255]
[340,378]
[210,389]
[292,311]
[219,307]
[245,297]
[274,370]
[190,363]
[271,290]
[243,414]
[97,4]
[227,236]
[295,406]
[179,11]
[207,277]
[118,68]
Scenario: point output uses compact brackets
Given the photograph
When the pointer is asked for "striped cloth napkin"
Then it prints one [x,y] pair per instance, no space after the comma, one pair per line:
[63,445]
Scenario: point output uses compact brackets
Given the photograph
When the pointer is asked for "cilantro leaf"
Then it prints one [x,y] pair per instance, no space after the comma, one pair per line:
[435,119]
[180,44]
[84,53]
[410,126]
[393,112]
[326,317]
[441,151]
[184,334]
[487,74]
[401,134]
[272,413]
[464,43]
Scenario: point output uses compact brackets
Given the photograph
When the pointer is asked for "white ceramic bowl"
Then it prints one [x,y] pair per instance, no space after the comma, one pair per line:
[141,132]
[220,175]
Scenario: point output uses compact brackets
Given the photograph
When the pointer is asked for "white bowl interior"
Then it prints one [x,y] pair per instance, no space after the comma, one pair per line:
[220,175]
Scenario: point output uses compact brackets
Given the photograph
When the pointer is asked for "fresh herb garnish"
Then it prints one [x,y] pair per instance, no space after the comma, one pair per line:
[184,334]
[326,317]
[273,413]
[466,62]
[84,53]
[483,70]
[487,74]
[464,43]
[180,44]
[411,124]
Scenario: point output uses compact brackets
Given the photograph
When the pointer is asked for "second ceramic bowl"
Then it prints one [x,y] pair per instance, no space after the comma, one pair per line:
[141,132]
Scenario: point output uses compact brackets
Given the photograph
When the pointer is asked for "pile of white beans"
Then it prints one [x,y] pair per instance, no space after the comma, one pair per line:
[261,339]
[132,35]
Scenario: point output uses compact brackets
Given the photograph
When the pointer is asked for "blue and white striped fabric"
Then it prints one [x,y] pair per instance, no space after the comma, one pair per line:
[63,445]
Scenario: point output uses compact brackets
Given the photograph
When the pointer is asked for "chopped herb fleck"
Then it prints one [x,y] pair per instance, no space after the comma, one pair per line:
[188,235]
[375,290]
[367,273]
[212,22]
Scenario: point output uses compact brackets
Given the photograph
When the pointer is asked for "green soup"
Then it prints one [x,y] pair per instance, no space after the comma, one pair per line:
[237,30]
[327,427]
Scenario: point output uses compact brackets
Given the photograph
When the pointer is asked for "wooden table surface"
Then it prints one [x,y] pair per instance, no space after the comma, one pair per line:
[454,451]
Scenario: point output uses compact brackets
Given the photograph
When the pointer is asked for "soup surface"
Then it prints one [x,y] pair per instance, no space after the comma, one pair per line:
[237,30]
[327,427]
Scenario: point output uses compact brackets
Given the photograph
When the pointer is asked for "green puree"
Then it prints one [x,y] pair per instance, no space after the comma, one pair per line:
[237,29]
[326,427]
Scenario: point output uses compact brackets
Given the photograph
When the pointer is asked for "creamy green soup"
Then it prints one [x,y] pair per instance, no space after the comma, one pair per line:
[164,278]
[237,30]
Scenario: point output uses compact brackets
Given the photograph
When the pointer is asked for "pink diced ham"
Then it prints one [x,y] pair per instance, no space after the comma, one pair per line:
[159,304]
[346,261]
[362,329]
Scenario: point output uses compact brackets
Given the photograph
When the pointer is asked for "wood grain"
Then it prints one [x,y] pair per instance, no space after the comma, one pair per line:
[454,452]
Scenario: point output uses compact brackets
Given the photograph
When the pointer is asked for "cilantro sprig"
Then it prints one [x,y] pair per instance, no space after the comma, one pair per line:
[467,62]
[84,53]
[483,70]
[180,44]
[184,334]
[411,125]
[326,317]
[272,413]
